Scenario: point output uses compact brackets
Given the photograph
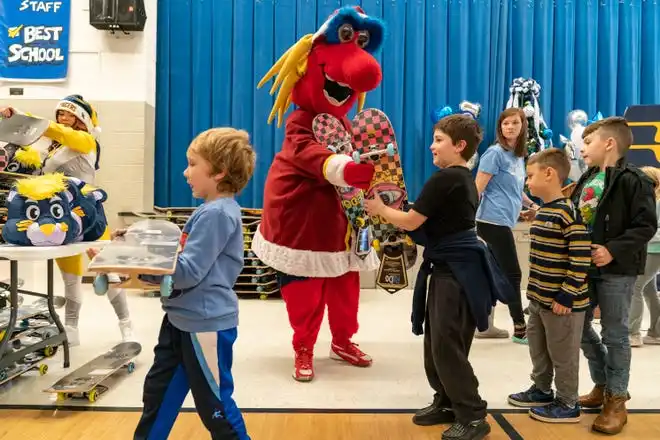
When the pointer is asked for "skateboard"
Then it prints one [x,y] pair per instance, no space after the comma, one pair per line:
[87,381]
[644,121]
[330,132]
[374,141]
[149,247]
[30,362]
[22,129]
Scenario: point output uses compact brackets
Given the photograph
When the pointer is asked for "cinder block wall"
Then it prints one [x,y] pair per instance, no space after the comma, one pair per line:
[127,151]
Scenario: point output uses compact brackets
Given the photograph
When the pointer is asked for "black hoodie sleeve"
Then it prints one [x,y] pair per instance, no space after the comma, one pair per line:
[643,219]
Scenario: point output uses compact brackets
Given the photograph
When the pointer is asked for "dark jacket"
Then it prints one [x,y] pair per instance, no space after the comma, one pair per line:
[472,265]
[625,219]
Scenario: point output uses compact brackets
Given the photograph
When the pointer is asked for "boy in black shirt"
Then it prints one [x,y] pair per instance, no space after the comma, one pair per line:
[463,281]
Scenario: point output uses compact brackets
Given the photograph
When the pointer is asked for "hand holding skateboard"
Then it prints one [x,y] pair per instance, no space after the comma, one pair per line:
[375,205]
[7,112]
[359,175]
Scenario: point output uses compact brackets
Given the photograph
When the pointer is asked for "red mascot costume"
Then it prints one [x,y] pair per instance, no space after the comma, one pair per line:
[304,233]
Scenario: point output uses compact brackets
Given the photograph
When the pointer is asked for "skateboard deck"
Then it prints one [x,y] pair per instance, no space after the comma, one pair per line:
[149,247]
[644,121]
[330,132]
[31,362]
[374,141]
[22,129]
[87,380]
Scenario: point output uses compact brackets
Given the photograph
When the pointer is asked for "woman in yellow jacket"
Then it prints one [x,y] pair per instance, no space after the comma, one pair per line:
[75,152]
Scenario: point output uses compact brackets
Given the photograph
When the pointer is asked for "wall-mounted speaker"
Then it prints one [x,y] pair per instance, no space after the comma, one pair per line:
[117,15]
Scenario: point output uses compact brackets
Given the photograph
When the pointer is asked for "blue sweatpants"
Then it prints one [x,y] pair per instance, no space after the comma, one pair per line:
[197,362]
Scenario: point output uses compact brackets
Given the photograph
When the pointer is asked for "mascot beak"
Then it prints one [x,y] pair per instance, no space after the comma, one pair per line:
[361,69]
[48,229]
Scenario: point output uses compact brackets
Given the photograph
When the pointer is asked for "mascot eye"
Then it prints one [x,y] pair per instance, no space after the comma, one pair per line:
[57,211]
[32,212]
[363,39]
[346,33]
[13,167]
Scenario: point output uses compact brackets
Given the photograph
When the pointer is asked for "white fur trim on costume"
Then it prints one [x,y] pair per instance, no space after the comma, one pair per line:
[305,263]
[333,169]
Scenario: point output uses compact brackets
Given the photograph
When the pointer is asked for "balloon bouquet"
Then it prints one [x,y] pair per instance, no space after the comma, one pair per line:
[465,108]
[577,121]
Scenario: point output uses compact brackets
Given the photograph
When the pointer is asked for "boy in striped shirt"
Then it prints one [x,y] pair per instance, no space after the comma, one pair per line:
[560,256]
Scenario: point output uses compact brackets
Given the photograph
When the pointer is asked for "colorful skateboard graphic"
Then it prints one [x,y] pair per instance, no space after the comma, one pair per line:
[374,141]
[330,132]
[22,129]
[87,381]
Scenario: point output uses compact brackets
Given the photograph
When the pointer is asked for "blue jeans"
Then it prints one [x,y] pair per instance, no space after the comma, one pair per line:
[609,358]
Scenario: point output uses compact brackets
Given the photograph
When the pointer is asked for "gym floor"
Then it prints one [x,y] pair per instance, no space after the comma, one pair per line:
[342,403]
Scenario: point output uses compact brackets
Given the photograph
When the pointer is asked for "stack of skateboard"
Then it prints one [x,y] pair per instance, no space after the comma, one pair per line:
[256,278]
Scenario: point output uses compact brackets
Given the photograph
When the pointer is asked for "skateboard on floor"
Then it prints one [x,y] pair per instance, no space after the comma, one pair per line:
[149,247]
[22,129]
[87,381]
[330,132]
[644,121]
[374,141]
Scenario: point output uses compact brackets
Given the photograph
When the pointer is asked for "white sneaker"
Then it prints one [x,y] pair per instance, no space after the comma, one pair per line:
[73,335]
[636,340]
[126,328]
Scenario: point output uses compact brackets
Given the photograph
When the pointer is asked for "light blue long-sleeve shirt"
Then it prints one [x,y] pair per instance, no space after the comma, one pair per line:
[203,297]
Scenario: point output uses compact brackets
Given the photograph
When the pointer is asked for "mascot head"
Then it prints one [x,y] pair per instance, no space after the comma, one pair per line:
[327,72]
[51,210]
[22,160]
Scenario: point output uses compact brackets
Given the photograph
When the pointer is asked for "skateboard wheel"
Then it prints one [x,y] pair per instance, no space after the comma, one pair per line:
[166,286]
[263,296]
[376,245]
[61,397]
[3,376]
[92,395]
[48,351]
[255,280]
[130,367]
[101,284]
[356,156]
[390,149]
[43,369]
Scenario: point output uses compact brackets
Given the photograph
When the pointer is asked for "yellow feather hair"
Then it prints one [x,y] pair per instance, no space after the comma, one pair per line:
[28,156]
[289,68]
[41,187]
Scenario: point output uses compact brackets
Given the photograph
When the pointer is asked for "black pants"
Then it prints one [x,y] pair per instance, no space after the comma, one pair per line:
[449,329]
[501,243]
[197,362]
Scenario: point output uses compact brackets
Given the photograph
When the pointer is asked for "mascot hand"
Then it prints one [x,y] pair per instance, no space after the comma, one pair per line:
[359,175]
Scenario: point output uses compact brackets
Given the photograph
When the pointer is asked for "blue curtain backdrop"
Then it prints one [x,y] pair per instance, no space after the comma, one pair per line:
[595,55]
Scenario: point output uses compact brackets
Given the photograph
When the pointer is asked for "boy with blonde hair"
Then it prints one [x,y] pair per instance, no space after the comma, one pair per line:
[560,256]
[194,350]
[617,203]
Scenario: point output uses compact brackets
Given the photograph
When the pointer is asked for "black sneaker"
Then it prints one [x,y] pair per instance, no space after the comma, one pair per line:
[434,414]
[477,430]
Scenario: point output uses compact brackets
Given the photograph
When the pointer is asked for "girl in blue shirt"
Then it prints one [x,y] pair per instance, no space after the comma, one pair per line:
[500,182]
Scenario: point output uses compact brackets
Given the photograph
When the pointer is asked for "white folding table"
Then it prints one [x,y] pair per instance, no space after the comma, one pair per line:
[16,254]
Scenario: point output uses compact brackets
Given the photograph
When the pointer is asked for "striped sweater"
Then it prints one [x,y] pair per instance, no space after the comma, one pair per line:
[559,258]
